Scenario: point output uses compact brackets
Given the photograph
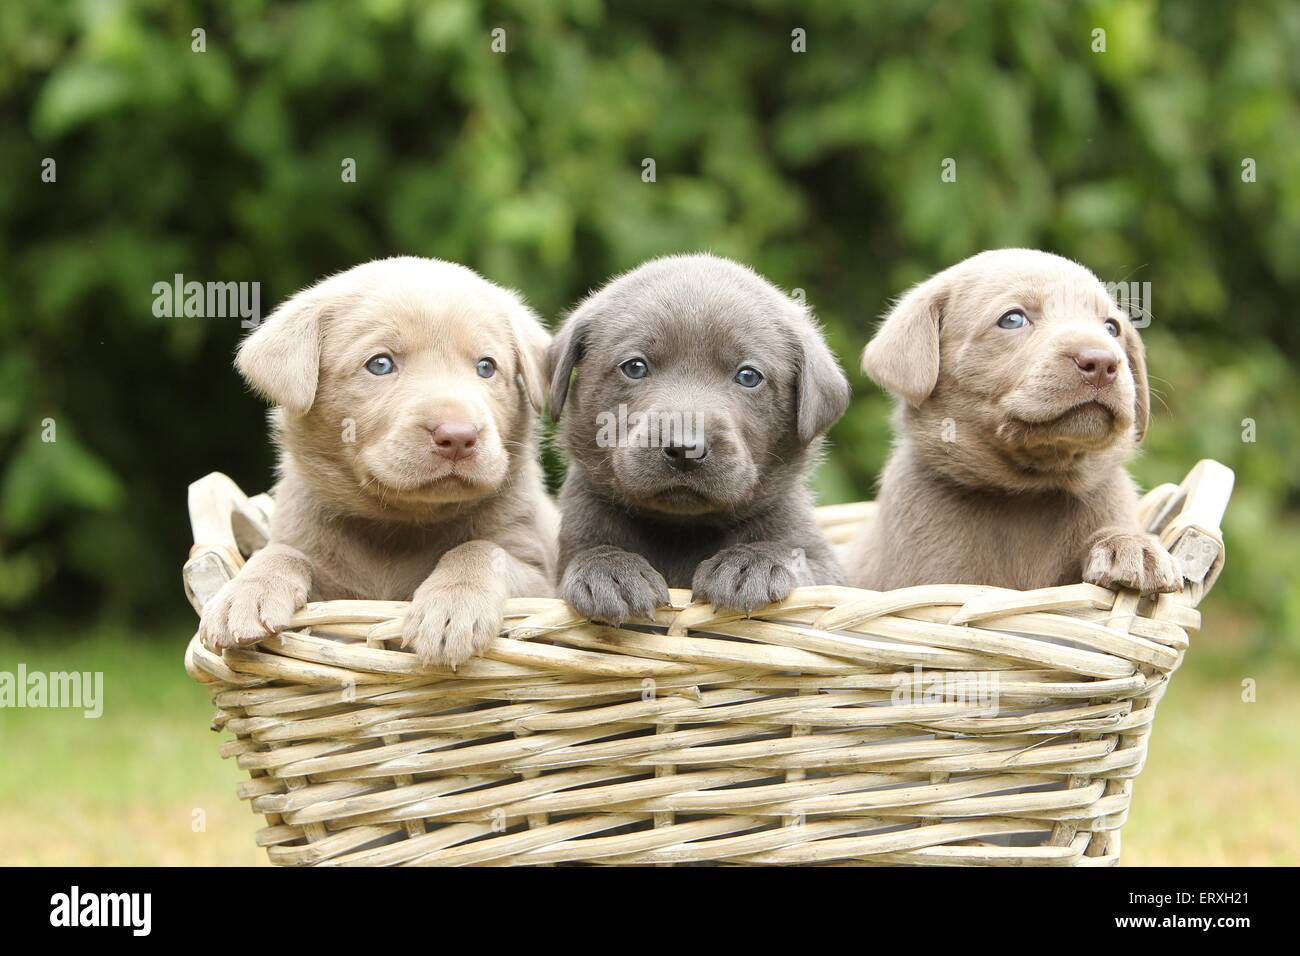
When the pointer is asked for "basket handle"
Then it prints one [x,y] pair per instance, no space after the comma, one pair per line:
[228,526]
[1192,534]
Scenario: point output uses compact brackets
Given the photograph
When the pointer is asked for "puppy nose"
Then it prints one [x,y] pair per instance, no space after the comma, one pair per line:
[454,441]
[685,457]
[1097,366]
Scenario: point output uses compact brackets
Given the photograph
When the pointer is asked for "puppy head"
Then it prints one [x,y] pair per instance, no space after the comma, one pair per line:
[699,387]
[402,384]
[1016,370]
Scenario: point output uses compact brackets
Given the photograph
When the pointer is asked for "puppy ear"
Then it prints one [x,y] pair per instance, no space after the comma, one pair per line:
[1137,363]
[903,357]
[281,357]
[531,341]
[823,389]
[562,357]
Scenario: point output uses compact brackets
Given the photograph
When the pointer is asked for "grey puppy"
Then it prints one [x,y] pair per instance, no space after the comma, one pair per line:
[701,391]
[1022,392]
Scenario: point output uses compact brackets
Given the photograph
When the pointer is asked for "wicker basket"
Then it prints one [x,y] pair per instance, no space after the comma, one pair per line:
[930,725]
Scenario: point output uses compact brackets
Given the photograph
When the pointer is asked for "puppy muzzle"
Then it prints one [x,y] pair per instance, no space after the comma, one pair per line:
[706,468]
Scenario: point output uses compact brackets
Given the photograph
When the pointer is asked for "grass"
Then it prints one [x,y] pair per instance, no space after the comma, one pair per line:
[125,788]
[1222,778]
[1220,786]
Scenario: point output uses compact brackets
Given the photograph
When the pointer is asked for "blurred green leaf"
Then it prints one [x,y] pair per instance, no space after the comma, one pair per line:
[78,93]
[49,478]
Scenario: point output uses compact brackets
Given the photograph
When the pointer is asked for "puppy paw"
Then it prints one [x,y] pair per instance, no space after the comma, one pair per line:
[746,576]
[609,584]
[450,622]
[1131,559]
[247,609]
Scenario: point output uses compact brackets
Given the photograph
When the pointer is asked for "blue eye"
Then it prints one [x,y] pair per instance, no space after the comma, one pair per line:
[749,377]
[1112,327]
[1015,319]
[381,365]
[486,368]
[635,368]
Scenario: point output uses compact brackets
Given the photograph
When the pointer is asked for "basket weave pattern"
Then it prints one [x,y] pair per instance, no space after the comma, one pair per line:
[931,725]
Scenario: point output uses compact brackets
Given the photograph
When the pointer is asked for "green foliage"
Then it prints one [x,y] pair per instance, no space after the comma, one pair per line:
[819,168]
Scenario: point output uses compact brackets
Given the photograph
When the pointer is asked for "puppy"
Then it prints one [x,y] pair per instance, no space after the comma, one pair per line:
[701,391]
[1023,391]
[408,392]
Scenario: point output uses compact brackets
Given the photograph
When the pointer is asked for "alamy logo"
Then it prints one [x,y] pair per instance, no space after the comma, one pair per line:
[1133,299]
[72,690]
[208,300]
[979,690]
[653,429]
[75,908]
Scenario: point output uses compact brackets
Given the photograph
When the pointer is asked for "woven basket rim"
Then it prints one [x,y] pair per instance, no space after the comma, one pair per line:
[217,503]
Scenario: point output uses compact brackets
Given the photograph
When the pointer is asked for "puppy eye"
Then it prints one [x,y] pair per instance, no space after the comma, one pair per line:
[486,368]
[635,368]
[1015,319]
[381,365]
[749,377]
[1112,327]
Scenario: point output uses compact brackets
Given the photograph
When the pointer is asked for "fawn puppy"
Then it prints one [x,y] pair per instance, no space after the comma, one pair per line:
[1022,391]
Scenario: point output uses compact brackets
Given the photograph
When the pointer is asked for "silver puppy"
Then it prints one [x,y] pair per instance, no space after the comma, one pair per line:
[408,393]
